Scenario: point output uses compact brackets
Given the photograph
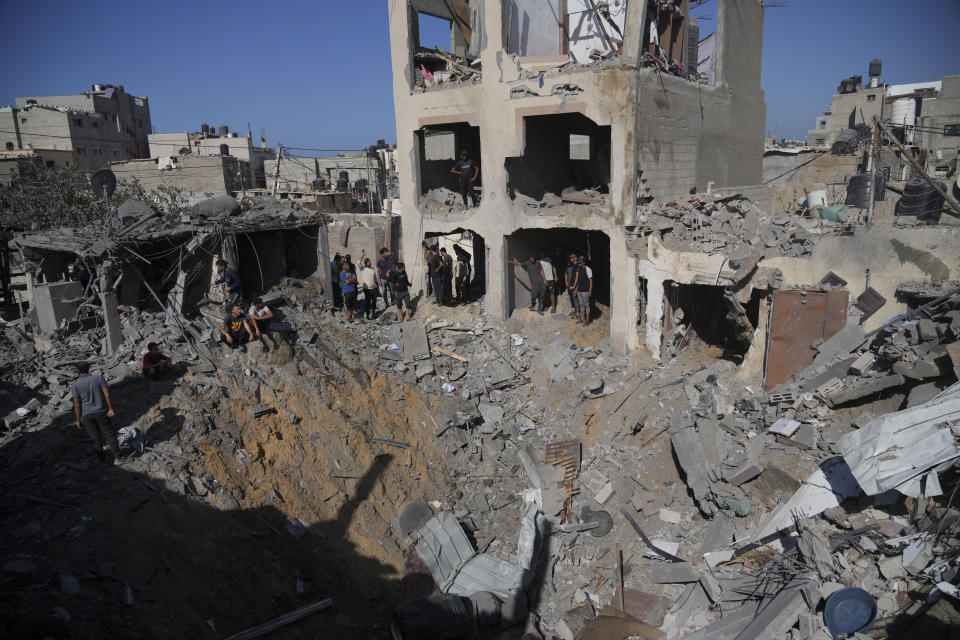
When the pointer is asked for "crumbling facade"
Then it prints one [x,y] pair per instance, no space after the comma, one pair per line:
[568,150]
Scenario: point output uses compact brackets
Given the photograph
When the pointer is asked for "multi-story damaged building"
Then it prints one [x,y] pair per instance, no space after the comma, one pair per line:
[574,122]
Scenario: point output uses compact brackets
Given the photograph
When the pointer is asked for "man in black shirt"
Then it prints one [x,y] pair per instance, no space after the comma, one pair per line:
[447,276]
[466,171]
[538,282]
[435,268]
[401,287]
[463,276]
[236,329]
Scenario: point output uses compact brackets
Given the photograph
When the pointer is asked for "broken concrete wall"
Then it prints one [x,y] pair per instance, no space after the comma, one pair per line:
[366,232]
[891,256]
[830,169]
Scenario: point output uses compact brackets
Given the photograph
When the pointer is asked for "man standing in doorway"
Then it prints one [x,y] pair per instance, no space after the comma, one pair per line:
[463,276]
[232,284]
[447,276]
[537,282]
[466,171]
[571,280]
[93,409]
[584,285]
[386,265]
[550,277]
[435,268]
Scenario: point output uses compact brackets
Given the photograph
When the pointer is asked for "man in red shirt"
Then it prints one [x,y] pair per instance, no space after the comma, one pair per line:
[154,362]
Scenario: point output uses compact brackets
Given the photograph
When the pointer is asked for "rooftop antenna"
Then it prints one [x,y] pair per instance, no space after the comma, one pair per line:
[263,138]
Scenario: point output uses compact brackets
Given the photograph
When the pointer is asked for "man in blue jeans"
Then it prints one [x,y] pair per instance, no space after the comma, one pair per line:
[92,406]
[386,265]
[435,267]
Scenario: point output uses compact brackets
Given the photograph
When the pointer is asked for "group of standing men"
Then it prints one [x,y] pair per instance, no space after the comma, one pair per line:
[447,275]
[547,284]
[389,279]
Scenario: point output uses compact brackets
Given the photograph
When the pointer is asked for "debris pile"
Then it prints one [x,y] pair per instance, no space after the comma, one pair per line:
[709,223]
[672,501]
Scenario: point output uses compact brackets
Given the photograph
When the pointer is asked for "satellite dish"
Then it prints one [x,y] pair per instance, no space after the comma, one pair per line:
[103,183]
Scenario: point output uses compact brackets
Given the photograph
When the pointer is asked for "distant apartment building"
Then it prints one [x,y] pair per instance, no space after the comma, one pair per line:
[97,127]
[855,104]
[212,142]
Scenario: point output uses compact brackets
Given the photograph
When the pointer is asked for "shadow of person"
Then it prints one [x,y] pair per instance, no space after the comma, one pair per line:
[94,551]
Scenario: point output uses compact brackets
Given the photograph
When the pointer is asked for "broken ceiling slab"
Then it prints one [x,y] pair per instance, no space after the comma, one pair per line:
[826,487]
[894,448]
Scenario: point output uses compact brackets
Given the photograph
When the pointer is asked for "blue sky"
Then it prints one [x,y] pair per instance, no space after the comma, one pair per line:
[317,73]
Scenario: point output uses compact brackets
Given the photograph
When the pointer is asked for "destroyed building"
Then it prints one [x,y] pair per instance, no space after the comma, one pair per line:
[760,442]
[570,132]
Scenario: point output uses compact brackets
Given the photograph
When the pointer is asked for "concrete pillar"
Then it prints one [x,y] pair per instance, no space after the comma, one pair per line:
[655,308]
[496,303]
[751,370]
[108,298]
[324,258]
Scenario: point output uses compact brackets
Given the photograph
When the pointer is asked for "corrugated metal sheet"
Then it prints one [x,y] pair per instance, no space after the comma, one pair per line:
[797,320]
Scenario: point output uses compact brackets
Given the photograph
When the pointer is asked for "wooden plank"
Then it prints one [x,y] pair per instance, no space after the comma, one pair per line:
[451,354]
[281,621]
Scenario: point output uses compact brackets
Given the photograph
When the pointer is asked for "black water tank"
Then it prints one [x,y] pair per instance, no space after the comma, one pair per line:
[223,130]
[204,128]
[876,68]
[858,190]
[920,199]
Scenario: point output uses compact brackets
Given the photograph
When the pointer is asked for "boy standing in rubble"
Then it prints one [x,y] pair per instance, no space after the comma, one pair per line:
[93,409]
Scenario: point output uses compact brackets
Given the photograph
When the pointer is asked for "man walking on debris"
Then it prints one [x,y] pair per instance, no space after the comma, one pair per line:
[447,276]
[401,285]
[231,281]
[435,269]
[154,361]
[537,282]
[466,171]
[93,408]
[348,286]
[260,316]
[236,330]
[386,265]
[584,286]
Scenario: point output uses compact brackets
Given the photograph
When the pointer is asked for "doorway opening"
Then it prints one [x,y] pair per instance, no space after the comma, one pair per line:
[469,246]
[439,149]
[710,317]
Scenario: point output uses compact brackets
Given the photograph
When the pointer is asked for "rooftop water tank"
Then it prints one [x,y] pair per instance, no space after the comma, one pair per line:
[876,67]
[223,130]
[904,112]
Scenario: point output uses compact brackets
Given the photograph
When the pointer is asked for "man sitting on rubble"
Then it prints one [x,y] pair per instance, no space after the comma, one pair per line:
[236,330]
[231,281]
[154,361]
[260,316]
[401,286]
[93,409]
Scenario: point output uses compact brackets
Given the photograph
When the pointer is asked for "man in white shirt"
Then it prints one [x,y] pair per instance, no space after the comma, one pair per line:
[367,277]
[260,316]
[550,275]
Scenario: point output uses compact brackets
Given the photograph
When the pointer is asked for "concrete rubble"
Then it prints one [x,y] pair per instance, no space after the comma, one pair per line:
[774,500]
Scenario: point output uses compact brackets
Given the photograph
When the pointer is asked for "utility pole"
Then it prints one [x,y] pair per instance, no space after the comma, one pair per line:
[276,174]
[875,159]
